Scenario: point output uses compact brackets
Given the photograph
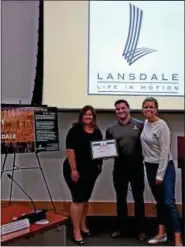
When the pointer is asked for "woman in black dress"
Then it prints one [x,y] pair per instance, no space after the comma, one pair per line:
[80,170]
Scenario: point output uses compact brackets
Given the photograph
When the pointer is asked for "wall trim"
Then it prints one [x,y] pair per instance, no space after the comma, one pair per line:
[95,208]
[161,111]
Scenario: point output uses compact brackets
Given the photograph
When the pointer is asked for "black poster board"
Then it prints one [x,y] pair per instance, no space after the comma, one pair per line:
[46,129]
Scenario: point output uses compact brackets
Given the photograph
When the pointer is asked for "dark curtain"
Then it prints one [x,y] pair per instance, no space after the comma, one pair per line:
[38,85]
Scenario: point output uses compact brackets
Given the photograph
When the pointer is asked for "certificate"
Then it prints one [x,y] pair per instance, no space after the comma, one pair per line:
[104,149]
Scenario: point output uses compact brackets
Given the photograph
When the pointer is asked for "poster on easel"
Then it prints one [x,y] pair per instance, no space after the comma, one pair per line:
[26,129]
[46,129]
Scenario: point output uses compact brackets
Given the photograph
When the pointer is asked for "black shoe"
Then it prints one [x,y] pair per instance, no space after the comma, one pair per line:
[86,234]
[117,234]
[79,242]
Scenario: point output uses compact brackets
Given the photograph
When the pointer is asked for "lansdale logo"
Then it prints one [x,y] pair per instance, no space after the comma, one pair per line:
[131,52]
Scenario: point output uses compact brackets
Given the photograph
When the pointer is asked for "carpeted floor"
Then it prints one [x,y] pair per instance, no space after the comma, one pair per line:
[102,227]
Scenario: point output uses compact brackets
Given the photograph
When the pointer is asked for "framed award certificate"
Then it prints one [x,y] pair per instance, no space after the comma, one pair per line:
[104,149]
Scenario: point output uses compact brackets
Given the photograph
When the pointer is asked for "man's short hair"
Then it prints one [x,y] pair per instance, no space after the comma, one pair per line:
[119,101]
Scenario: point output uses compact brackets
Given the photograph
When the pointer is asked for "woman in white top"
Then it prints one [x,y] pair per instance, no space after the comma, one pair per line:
[160,170]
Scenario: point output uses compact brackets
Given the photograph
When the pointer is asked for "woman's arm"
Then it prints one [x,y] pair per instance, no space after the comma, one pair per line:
[71,143]
[165,145]
[71,158]
[108,135]
[100,137]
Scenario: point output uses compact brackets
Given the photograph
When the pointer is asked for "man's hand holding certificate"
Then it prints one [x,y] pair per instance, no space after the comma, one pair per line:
[104,149]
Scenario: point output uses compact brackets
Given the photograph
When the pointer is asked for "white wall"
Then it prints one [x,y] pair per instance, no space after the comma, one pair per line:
[19,42]
[52,164]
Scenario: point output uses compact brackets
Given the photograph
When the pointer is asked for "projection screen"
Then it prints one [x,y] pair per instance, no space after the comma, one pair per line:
[99,51]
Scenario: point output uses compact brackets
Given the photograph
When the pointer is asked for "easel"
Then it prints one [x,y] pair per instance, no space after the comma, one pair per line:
[14,168]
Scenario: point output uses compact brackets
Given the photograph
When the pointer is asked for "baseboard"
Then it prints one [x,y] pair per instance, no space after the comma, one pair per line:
[95,208]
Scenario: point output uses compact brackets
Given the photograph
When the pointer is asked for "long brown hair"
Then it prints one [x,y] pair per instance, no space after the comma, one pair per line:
[83,111]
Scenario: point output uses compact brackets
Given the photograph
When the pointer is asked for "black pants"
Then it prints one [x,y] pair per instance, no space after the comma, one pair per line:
[121,179]
[164,195]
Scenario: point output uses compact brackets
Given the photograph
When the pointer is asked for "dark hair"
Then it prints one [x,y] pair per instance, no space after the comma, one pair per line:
[83,111]
[151,99]
[119,101]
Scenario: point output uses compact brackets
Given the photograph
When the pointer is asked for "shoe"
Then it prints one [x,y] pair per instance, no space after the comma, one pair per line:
[158,239]
[142,236]
[86,234]
[79,242]
[117,234]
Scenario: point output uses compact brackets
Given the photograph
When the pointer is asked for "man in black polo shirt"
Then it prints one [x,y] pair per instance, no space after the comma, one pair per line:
[128,167]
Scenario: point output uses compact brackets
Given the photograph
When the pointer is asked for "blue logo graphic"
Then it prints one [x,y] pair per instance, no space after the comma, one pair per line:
[131,52]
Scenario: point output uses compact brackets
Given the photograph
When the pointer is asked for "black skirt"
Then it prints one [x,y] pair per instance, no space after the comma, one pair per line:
[81,190]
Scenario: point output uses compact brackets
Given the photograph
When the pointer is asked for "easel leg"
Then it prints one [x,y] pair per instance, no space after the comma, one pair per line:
[46,183]
[14,156]
[2,170]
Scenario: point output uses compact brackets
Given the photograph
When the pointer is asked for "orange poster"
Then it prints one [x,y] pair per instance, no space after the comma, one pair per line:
[17,129]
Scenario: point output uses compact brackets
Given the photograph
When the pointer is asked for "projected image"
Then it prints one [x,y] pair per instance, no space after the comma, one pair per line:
[136,48]
[99,51]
